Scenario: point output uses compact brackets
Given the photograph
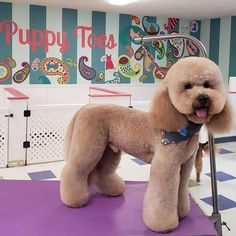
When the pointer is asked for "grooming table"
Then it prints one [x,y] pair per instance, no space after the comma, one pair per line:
[34,208]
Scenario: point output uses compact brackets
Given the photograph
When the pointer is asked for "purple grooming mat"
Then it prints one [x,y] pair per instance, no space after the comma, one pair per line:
[34,208]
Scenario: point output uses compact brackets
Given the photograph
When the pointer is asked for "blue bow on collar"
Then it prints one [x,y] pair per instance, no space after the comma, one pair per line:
[181,135]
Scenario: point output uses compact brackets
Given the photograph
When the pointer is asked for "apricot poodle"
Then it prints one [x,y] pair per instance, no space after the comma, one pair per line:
[192,94]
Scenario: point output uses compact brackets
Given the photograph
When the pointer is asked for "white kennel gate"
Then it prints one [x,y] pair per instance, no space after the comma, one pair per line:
[3,136]
[46,131]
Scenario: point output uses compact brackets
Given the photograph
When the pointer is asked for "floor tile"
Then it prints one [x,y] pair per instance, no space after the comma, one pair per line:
[140,162]
[224,151]
[222,176]
[40,175]
[192,183]
[224,202]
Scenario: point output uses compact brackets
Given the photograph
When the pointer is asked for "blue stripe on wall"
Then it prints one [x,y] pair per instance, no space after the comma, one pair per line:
[5,49]
[214,40]
[99,27]
[152,51]
[69,22]
[232,59]
[124,22]
[170,56]
[38,22]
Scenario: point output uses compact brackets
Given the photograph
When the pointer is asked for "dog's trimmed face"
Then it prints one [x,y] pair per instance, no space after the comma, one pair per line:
[196,88]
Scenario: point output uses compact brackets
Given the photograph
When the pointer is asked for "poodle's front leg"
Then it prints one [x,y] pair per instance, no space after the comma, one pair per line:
[183,201]
[161,198]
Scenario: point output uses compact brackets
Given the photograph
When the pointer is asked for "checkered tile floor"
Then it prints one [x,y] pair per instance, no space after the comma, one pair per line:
[133,169]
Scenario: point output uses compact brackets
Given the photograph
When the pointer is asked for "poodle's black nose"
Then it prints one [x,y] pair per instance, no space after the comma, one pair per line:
[203,99]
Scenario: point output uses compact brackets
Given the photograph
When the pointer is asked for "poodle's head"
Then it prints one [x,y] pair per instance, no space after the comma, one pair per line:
[196,90]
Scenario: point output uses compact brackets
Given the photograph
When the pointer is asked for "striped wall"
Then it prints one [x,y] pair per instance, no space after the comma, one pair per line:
[219,37]
[43,45]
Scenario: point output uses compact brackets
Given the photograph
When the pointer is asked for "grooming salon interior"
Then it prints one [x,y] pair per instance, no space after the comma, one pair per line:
[56,57]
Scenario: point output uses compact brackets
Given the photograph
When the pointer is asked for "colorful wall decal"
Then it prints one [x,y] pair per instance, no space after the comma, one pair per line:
[172,22]
[160,72]
[44,80]
[148,63]
[143,78]
[101,75]
[22,74]
[140,52]
[116,79]
[135,19]
[178,45]
[149,27]
[159,48]
[109,65]
[125,67]
[129,33]
[5,72]
[10,61]
[35,64]
[86,72]
[193,26]
[70,62]
[56,67]
[130,51]
[192,49]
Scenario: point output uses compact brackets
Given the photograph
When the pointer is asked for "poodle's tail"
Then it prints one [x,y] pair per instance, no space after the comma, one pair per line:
[68,136]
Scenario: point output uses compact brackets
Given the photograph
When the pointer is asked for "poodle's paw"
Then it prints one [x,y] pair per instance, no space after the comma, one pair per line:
[111,185]
[75,200]
[161,224]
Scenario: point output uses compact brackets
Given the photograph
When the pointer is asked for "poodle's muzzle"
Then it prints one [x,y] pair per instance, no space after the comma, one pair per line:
[201,105]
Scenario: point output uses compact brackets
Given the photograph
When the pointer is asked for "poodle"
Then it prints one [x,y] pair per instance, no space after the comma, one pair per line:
[192,94]
[203,148]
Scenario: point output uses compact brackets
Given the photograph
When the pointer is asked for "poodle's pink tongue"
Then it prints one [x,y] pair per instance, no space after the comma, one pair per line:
[201,113]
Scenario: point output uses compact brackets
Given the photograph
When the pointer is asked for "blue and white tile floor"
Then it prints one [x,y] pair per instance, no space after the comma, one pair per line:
[135,170]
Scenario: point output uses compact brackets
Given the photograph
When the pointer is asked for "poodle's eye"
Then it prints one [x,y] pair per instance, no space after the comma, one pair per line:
[187,86]
[206,84]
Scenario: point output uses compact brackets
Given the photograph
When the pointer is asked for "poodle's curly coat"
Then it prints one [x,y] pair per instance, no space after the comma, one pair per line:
[193,91]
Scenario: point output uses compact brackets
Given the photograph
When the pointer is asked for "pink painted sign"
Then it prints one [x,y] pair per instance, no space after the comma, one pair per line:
[48,38]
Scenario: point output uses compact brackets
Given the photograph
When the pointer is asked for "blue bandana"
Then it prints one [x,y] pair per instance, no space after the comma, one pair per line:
[181,135]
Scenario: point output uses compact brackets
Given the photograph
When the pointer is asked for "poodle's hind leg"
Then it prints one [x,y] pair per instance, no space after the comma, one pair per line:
[74,177]
[106,180]
[198,162]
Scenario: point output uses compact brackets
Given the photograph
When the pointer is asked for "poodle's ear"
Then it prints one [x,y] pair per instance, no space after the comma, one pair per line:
[223,121]
[163,115]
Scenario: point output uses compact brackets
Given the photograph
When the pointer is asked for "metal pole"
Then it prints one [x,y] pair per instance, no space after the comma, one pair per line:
[216,216]
[172,36]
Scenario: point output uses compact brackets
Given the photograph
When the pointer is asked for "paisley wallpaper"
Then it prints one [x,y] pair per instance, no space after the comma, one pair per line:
[43,45]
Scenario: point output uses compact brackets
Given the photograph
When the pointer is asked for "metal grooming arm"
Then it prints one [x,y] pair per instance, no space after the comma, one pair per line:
[216,216]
